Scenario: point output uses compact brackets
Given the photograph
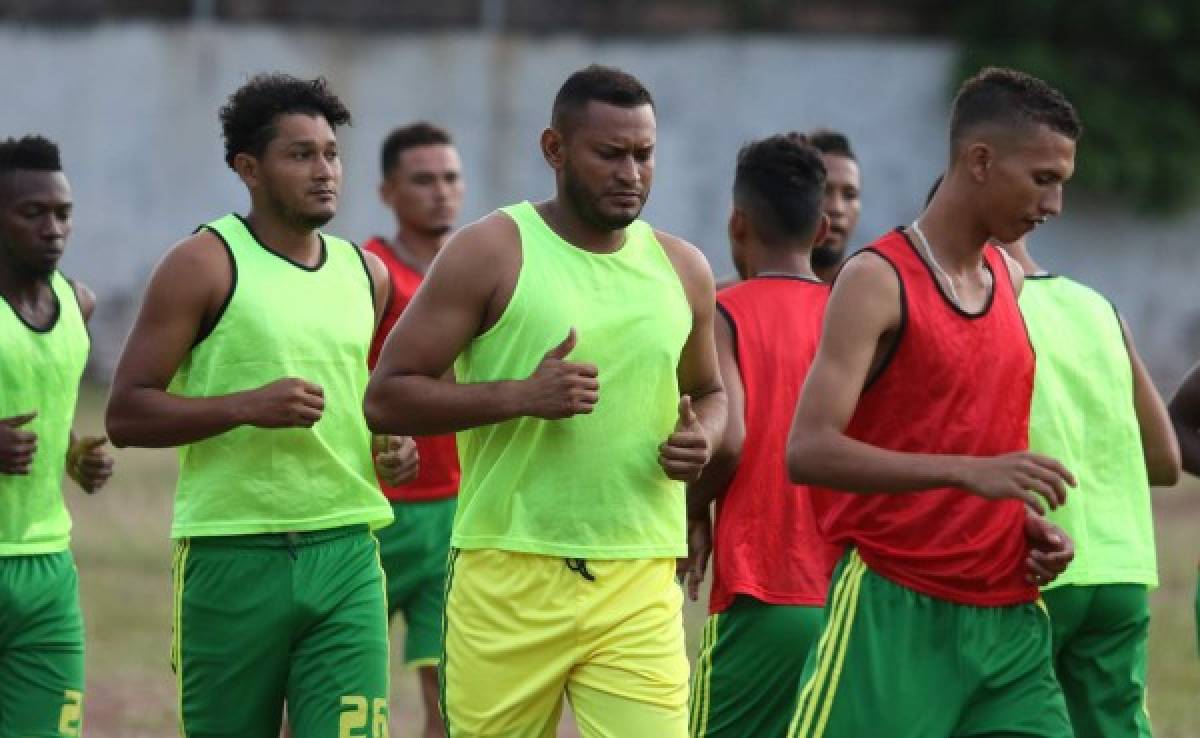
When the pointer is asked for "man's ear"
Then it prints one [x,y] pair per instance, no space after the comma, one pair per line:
[247,168]
[553,146]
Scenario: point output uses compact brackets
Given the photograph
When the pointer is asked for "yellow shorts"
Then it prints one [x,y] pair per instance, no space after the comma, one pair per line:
[524,630]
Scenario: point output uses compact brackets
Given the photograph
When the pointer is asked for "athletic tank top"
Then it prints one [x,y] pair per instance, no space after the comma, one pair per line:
[438,475]
[766,543]
[588,486]
[283,319]
[1083,415]
[955,383]
[40,370]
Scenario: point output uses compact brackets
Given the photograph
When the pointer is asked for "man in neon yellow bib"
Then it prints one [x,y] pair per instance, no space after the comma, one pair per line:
[43,349]
[250,354]
[1096,409]
[577,328]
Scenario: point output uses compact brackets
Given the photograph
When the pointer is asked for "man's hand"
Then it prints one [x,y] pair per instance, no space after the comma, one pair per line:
[1050,549]
[17,446]
[88,463]
[396,460]
[1024,475]
[284,403]
[685,452]
[691,570]
[559,388]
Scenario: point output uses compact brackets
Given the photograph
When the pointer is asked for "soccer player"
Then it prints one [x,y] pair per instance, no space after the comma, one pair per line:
[43,349]
[1096,409]
[1185,414]
[587,392]
[842,205]
[912,428]
[250,353]
[771,567]
[423,186]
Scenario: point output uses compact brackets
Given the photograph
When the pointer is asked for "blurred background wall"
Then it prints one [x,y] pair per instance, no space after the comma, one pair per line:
[133,104]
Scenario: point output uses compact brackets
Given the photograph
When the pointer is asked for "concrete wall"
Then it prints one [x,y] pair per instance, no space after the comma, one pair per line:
[134,108]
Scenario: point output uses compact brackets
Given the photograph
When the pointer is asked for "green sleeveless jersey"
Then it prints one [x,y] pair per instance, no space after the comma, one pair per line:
[283,319]
[40,370]
[588,486]
[1083,415]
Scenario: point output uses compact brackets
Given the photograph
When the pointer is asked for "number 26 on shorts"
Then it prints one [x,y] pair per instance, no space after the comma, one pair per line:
[356,715]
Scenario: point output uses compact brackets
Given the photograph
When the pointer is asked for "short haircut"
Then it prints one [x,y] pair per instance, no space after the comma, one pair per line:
[409,137]
[249,115]
[1013,100]
[35,153]
[780,184]
[829,141]
[598,83]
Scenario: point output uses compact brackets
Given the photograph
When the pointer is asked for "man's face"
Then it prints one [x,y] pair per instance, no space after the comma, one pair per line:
[608,163]
[1023,183]
[300,171]
[425,189]
[841,204]
[35,220]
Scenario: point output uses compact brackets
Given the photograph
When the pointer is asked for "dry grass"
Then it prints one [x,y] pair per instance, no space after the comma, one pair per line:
[124,560]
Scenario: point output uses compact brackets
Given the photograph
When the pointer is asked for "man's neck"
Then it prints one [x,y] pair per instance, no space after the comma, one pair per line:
[417,249]
[784,262]
[299,243]
[1020,253]
[21,289]
[573,229]
[955,239]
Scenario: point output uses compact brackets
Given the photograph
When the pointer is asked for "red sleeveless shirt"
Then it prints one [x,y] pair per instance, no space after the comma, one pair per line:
[439,473]
[766,543]
[956,383]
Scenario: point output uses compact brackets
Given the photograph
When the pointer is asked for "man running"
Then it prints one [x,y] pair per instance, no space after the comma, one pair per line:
[43,349]
[1096,409]
[771,567]
[842,205]
[1185,414]
[250,353]
[587,385]
[912,427]
[423,186]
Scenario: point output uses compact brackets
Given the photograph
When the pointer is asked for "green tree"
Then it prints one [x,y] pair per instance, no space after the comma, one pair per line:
[1132,68]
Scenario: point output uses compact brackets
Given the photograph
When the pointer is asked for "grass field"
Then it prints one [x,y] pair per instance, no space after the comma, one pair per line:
[124,562]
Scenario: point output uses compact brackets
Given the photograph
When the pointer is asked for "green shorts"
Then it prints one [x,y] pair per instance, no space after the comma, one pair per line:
[894,663]
[414,551]
[41,646]
[260,619]
[1100,635]
[749,668]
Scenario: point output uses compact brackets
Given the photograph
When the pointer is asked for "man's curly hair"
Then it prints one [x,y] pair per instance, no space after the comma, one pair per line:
[248,117]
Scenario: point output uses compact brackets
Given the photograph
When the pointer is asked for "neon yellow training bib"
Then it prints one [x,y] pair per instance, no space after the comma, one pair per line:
[589,486]
[283,320]
[40,370]
[1083,415]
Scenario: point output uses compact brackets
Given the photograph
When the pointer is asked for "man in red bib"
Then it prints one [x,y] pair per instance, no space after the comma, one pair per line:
[423,186]
[912,429]
[771,567]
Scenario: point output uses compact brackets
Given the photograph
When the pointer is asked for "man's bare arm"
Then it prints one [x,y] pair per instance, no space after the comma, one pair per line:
[186,289]
[864,306]
[1185,414]
[406,395]
[1159,444]
[702,408]
[715,479]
